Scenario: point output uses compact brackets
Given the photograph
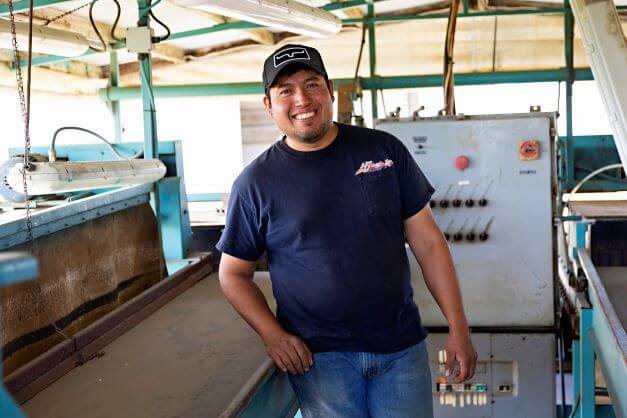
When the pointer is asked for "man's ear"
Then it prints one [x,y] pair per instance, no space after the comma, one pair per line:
[268,105]
[330,85]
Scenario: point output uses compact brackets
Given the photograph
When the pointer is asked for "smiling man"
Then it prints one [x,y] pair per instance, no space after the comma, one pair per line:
[333,205]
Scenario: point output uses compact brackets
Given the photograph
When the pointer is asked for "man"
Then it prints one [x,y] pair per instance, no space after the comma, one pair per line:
[332,205]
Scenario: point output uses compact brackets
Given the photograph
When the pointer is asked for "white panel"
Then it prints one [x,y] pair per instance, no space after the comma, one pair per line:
[506,280]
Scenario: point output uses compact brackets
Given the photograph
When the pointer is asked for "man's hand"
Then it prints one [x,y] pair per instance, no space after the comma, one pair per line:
[289,352]
[459,347]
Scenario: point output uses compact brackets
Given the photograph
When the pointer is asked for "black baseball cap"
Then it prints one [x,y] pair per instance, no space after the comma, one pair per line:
[289,55]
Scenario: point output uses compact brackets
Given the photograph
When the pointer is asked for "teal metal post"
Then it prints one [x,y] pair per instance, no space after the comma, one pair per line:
[569,34]
[151,145]
[151,142]
[586,364]
[372,51]
[581,228]
[576,372]
[114,105]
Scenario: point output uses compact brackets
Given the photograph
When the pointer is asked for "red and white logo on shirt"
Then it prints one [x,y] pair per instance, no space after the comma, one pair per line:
[371,167]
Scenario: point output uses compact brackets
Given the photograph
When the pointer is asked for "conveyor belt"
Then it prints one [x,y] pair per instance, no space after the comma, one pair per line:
[615,282]
[189,359]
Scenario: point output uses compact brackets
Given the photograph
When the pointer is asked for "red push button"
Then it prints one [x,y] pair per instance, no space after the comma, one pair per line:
[462,162]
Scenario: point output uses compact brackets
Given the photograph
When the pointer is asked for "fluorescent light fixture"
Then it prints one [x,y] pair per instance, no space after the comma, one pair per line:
[71,176]
[45,40]
[288,15]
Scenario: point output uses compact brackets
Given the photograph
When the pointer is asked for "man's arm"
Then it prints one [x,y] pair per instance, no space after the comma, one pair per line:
[236,279]
[432,253]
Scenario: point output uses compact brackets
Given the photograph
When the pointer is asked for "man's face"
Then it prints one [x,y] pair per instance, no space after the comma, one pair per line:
[301,105]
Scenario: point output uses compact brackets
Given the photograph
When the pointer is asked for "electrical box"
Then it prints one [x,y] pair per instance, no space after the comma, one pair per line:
[514,378]
[139,39]
[494,202]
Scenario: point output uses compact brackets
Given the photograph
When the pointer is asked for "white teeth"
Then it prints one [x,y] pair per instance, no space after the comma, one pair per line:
[304,115]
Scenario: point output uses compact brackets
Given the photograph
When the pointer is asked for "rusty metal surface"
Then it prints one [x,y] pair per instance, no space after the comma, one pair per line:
[87,343]
[85,272]
[189,359]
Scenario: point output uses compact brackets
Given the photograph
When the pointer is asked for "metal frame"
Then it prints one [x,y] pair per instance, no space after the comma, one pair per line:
[603,335]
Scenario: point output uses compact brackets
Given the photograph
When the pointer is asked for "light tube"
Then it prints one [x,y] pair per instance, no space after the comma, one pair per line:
[45,40]
[288,15]
[71,176]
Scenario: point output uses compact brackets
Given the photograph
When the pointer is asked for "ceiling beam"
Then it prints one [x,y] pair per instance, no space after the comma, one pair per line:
[395,82]
[351,12]
[78,24]
[23,5]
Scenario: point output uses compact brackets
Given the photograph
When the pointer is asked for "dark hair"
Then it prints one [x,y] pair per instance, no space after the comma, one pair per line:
[293,69]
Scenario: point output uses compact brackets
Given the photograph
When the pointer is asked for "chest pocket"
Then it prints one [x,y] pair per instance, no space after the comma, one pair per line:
[381,192]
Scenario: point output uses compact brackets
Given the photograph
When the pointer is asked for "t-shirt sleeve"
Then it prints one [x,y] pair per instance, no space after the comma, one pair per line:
[415,188]
[241,237]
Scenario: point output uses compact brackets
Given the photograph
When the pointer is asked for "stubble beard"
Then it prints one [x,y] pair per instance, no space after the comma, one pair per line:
[311,137]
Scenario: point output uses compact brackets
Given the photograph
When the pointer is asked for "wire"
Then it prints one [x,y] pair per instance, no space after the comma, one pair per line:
[594,173]
[167,35]
[575,406]
[559,93]
[93,25]
[115,22]
[109,144]
[385,111]
[361,50]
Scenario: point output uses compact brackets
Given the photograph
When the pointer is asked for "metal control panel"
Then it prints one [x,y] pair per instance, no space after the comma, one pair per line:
[493,177]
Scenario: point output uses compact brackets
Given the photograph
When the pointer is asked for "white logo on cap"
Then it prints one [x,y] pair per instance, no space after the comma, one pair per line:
[290,54]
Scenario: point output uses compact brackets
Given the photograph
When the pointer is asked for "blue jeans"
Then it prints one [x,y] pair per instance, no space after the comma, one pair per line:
[366,385]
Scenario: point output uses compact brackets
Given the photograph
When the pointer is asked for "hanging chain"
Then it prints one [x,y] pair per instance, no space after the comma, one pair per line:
[25,119]
[69,12]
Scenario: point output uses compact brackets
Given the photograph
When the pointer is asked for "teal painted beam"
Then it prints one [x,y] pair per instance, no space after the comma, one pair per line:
[151,143]
[501,77]
[388,19]
[396,82]
[569,36]
[114,105]
[19,6]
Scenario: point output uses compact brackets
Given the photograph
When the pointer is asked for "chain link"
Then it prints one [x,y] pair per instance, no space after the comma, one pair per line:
[25,119]
[69,12]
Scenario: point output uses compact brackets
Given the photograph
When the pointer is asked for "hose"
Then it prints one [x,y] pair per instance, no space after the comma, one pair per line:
[594,173]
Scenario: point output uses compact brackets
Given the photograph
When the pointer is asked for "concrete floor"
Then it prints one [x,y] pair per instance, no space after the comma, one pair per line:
[189,359]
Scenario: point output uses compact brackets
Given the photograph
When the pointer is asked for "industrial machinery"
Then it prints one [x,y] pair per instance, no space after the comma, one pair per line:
[495,184]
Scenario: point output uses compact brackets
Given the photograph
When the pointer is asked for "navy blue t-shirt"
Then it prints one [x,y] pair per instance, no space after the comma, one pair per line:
[331,222]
